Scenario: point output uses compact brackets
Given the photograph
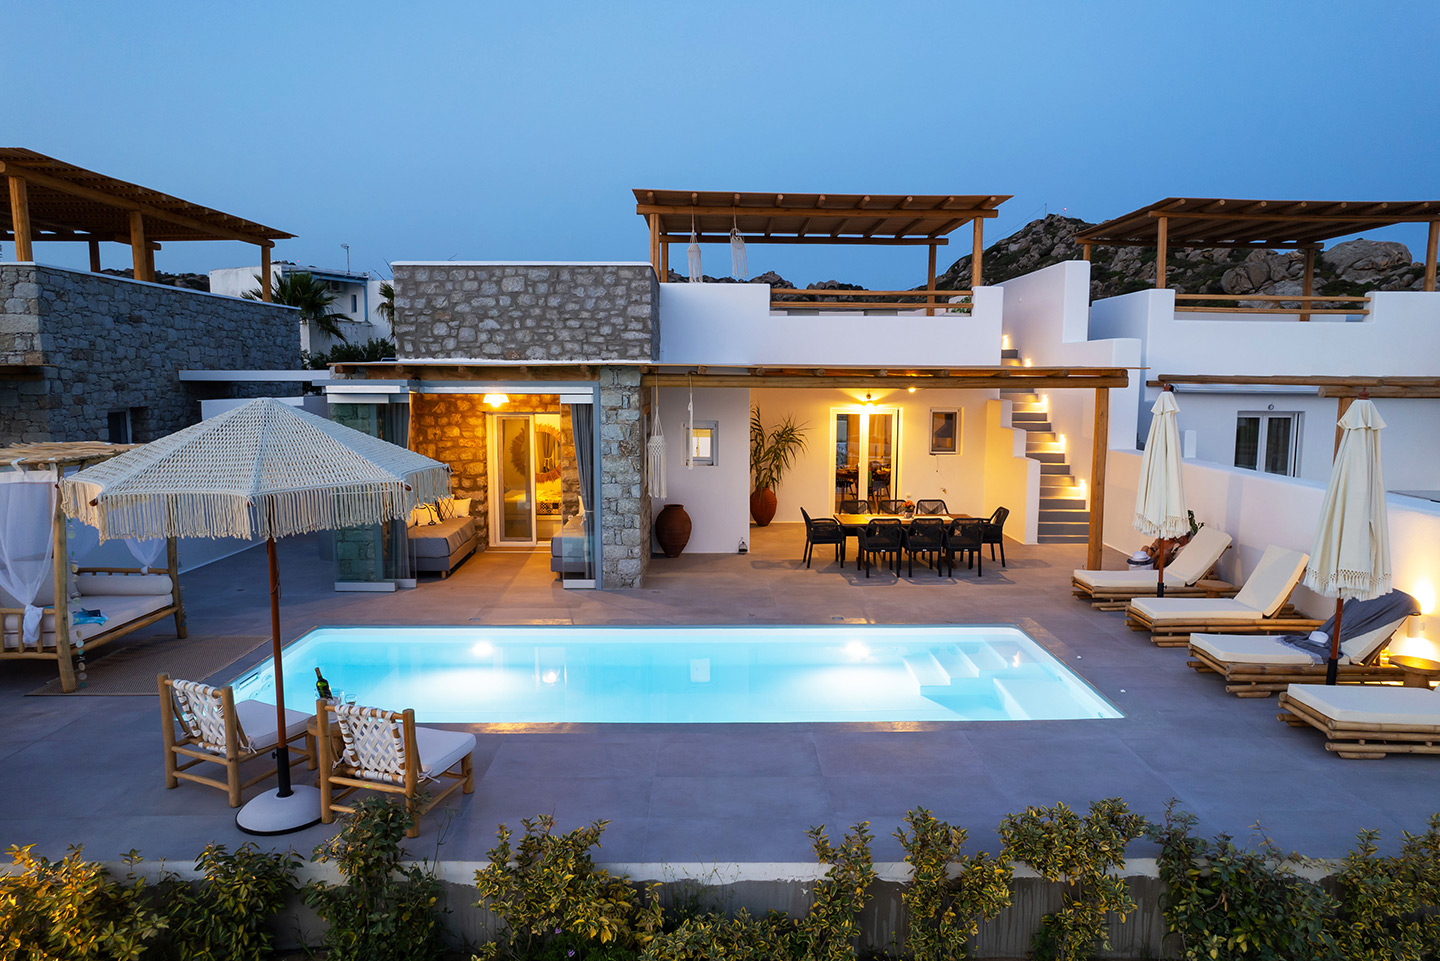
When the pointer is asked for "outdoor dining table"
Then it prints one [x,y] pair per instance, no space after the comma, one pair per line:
[855,523]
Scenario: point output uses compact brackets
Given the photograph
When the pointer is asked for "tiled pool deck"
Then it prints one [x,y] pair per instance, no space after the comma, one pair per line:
[87,769]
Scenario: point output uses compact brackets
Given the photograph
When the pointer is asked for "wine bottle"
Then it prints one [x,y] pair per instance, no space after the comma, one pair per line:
[322,686]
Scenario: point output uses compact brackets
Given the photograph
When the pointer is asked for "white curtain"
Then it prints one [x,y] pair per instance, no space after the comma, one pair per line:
[27,511]
[145,551]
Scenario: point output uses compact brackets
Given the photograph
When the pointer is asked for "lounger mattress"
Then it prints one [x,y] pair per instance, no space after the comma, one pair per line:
[1251,649]
[1181,609]
[118,609]
[1124,580]
[1361,704]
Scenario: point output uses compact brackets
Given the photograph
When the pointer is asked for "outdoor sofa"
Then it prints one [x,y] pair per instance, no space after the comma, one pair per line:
[1186,576]
[1260,607]
[437,544]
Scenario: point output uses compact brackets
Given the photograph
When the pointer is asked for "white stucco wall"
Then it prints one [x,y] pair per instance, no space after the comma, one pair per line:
[1261,509]
[1011,479]
[716,498]
[718,324]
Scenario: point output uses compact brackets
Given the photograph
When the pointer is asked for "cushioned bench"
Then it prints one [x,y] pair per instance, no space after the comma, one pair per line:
[443,545]
[567,548]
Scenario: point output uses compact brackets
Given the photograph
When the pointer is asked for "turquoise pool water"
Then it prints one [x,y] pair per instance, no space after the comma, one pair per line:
[685,675]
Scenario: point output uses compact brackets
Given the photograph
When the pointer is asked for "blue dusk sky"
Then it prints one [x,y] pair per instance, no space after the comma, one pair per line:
[480,131]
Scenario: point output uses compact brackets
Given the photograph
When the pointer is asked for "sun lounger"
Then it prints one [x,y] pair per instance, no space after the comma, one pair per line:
[1186,576]
[1257,665]
[1261,606]
[1363,722]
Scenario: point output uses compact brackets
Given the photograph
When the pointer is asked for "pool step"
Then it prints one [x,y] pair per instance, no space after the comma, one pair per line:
[926,670]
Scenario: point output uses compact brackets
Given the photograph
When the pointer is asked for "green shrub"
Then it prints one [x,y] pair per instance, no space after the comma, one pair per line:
[227,916]
[1387,905]
[552,898]
[382,912]
[1224,902]
[741,938]
[945,912]
[828,931]
[1081,852]
[72,909]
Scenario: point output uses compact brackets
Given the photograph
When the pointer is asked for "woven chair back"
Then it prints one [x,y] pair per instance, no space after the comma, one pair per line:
[930,506]
[854,507]
[374,742]
[927,532]
[200,709]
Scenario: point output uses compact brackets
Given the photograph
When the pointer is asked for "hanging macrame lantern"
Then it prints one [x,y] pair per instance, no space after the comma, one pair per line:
[738,269]
[693,256]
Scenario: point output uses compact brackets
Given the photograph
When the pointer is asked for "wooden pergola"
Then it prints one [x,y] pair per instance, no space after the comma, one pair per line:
[51,200]
[1098,379]
[771,218]
[1261,225]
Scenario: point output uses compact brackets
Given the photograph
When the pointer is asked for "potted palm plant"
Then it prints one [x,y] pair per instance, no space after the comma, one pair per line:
[771,454]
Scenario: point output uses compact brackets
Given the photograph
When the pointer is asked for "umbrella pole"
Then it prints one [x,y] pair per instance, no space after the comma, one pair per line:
[1332,667]
[1160,571]
[282,752]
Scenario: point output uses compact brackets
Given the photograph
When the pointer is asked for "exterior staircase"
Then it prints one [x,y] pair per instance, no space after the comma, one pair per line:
[1064,517]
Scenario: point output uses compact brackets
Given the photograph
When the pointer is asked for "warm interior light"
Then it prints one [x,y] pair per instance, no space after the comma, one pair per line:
[869,404]
[1080,486]
[1062,439]
[910,389]
[1045,401]
[496,400]
[1424,594]
[1004,341]
[1027,361]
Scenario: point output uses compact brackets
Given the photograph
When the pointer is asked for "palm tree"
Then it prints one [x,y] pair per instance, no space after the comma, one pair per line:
[301,290]
[386,307]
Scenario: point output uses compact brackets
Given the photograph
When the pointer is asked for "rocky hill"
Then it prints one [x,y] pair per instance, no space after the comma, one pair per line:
[187,281]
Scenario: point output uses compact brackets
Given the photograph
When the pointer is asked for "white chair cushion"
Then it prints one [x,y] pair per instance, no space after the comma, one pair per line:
[1198,556]
[122,584]
[257,720]
[1126,580]
[1371,704]
[1272,580]
[1361,646]
[1183,609]
[1250,649]
[439,750]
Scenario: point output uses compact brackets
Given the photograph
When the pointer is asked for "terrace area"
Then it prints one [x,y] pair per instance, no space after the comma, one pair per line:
[87,768]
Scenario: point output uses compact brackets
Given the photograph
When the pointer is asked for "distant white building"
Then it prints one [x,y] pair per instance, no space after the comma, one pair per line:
[357,298]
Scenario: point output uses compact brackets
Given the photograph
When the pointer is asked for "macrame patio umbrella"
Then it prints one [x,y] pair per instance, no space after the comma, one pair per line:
[1351,554]
[1160,496]
[260,470]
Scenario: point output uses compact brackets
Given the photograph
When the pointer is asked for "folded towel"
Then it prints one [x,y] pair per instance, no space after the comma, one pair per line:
[83,616]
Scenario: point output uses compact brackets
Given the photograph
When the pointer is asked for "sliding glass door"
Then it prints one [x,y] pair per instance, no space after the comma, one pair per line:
[865,442]
[512,478]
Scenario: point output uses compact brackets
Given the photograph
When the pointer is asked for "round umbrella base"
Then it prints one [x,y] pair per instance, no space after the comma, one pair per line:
[269,813]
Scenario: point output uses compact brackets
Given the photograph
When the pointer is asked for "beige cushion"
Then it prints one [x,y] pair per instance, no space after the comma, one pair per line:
[1361,646]
[116,584]
[439,750]
[118,609]
[1198,556]
[1141,581]
[1371,704]
[1183,609]
[1272,580]
[1250,649]
[257,720]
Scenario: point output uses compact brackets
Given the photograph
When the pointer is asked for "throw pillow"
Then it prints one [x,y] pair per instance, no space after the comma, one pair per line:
[446,506]
[462,506]
[424,515]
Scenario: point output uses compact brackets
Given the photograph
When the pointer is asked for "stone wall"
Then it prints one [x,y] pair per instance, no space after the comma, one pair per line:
[107,344]
[553,312]
[624,497]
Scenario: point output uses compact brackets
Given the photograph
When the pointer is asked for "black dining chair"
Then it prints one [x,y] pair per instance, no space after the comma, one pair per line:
[926,535]
[930,506]
[965,537]
[824,530]
[881,537]
[995,532]
[889,507]
[852,506]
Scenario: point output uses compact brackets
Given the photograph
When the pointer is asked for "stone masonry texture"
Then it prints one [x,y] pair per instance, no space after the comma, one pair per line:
[554,312]
[624,496]
[106,344]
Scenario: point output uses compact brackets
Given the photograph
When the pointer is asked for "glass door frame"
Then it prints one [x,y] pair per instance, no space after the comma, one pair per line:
[862,490]
[498,452]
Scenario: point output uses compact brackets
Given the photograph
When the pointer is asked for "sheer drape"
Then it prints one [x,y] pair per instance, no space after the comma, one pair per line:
[582,426]
[395,427]
[27,512]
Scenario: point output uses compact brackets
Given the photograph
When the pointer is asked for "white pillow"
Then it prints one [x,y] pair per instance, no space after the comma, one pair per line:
[424,514]
[462,506]
[129,585]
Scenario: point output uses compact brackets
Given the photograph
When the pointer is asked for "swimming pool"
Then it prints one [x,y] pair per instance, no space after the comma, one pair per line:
[685,675]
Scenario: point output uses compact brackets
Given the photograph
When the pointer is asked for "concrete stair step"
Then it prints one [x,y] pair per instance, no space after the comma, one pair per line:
[1010,353]
[1063,527]
[1031,419]
[1021,396]
[1060,468]
[1063,504]
[1010,362]
[1063,538]
[1074,516]
[1049,457]
[1042,437]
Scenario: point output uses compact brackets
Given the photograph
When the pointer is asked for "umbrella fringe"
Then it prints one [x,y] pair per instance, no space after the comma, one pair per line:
[1173,526]
[1347,585]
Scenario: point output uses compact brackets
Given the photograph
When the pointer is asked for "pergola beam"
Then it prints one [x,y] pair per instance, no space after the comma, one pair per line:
[936,214]
[803,238]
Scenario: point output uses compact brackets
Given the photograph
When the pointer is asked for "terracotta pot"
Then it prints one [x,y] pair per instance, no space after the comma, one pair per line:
[672,529]
[762,506]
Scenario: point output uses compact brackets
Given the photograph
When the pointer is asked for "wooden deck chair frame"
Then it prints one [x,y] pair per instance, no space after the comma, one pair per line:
[189,745]
[1258,679]
[338,779]
[1361,741]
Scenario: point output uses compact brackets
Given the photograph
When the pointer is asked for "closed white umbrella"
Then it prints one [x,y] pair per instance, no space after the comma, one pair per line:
[1351,553]
[1160,496]
[263,469]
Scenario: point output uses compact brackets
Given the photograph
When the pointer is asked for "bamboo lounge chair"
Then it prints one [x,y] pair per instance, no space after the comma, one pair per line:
[213,728]
[1186,576]
[386,751]
[1366,722]
[1258,666]
[1260,607]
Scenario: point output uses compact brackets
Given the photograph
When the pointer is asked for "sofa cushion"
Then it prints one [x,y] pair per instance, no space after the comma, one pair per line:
[121,584]
[442,539]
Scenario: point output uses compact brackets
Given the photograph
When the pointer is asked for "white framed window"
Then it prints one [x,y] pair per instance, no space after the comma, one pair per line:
[705,443]
[1268,441]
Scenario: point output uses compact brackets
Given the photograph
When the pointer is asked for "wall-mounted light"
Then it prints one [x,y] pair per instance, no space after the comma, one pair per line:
[1004,341]
[910,389]
[496,400]
[1027,361]
[1062,440]
[869,404]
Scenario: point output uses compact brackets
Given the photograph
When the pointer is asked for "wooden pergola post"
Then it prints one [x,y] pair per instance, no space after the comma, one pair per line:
[265,286]
[1085,252]
[664,261]
[1343,405]
[1431,246]
[94,246]
[1162,242]
[20,217]
[138,251]
[655,242]
[1308,284]
[975,255]
[64,654]
[930,284]
[1095,549]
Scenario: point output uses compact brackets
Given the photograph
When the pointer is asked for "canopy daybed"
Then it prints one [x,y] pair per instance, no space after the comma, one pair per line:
[41,592]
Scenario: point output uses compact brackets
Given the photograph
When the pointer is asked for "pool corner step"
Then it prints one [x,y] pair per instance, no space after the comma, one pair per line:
[925,669]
